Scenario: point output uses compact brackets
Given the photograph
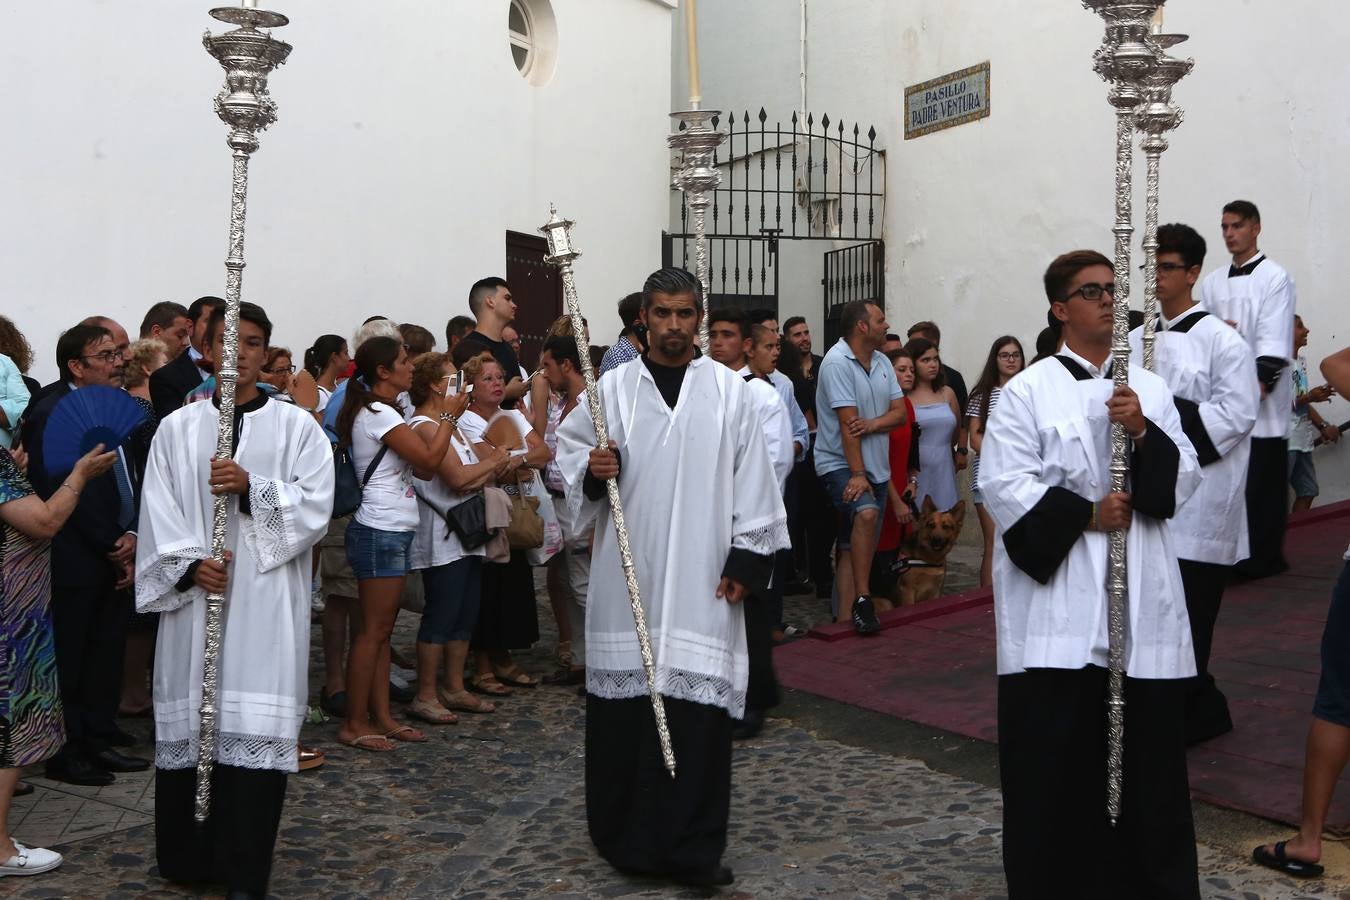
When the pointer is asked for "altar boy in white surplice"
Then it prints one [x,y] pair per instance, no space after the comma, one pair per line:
[280,483]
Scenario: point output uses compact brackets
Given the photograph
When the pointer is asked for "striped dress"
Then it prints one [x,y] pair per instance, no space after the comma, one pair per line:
[31,728]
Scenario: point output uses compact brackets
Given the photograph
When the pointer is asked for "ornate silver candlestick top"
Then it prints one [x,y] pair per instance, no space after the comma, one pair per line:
[698,178]
[248,56]
[1154,117]
[1124,59]
[561,253]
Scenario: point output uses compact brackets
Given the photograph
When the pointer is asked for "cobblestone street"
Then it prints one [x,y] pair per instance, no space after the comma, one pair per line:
[829,801]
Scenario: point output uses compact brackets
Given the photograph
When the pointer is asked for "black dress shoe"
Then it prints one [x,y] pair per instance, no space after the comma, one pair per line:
[112,761]
[717,876]
[120,738]
[748,726]
[77,771]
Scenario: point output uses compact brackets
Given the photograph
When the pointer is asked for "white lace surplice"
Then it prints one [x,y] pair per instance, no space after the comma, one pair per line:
[264,660]
[696,482]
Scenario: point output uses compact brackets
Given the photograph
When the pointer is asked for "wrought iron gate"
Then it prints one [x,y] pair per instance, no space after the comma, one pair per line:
[852,273]
[812,180]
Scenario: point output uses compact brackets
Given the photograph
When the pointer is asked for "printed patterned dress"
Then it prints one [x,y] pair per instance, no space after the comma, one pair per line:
[31,728]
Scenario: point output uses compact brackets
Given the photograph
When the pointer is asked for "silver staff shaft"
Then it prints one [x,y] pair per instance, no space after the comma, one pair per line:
[1123,60]
[697,140]
[1155,117]
[247,56]
[561,254]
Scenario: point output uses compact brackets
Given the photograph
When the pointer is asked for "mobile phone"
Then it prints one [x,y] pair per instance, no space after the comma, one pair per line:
[459,381]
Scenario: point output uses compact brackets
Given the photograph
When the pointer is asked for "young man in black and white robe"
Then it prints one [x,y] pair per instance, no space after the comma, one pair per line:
[1208,367]
[705,519]
[1256,296]
[280,487]
[1045,474]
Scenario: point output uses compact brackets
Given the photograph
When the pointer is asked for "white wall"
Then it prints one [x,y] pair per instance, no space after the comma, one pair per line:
[975,213]
[407,145]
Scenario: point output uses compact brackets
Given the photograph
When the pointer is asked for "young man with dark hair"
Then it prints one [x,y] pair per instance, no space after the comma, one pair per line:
[169,323]
[1045,475]
[1207,365]
[280,487]
[91,570]
[810,520]
[858,403]
[954,380]
[687,451]
[632,338]
[171,383]
[493,309]
[1256,296]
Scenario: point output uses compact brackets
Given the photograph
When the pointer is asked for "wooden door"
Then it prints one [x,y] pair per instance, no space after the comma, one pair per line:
[537,290]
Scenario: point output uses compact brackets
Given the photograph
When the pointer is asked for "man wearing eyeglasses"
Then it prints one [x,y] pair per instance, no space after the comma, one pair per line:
[1256,296]
[91,569]
[1208,366]
[1045,472]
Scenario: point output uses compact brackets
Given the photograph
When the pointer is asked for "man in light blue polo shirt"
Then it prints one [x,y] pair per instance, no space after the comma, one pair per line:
[858,403]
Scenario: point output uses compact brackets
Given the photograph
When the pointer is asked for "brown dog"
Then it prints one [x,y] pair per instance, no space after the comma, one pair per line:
[928,547]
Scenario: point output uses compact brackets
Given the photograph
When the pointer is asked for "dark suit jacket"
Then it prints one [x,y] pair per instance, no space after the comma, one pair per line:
[80,549]
[172,382]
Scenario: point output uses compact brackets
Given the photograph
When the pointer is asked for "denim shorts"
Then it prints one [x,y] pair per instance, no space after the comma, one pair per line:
[378,554]
[453,591]
[1302,475]
[833,483]
[1333,686]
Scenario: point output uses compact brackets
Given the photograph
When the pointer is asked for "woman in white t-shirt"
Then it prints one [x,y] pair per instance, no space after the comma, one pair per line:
[451,574]
[507,619]
[381,532]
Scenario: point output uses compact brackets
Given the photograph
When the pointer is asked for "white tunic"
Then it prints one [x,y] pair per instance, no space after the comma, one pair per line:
[1204,361]
[777,424]
[1050,429]
[1263,306]
[696,482]
[264,661]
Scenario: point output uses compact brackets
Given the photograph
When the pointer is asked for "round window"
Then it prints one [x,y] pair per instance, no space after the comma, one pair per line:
[532,34]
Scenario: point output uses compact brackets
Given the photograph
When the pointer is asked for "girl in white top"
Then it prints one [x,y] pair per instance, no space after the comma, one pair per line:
[380,534]
[1005,360]
[325,363]
[451,574]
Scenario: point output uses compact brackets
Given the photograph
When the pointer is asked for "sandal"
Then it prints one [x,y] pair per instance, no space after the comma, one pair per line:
[375,743]
[430,711]
[516,677]
[488,684]
[413,736]
[564,654]
[469,703]
[566,676]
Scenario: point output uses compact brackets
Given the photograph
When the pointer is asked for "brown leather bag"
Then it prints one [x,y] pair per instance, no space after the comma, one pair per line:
[526,530]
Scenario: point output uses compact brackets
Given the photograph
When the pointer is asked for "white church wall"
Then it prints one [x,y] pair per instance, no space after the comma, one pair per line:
[974,213]
[407,145]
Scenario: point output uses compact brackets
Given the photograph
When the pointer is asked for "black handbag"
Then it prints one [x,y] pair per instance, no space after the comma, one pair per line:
[467,520]
[347,490]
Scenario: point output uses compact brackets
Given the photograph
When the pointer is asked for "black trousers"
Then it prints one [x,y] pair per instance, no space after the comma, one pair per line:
[762,616]
[1206,707]
[1267,508]
[812,524]
[1057,839]
[641,819]
[90,629]
[234,846]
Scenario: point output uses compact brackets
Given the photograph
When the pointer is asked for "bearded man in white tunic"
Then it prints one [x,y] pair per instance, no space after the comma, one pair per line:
[704,516]
[280,483]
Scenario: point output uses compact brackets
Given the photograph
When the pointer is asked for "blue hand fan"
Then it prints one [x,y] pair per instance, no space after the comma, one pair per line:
[83,419]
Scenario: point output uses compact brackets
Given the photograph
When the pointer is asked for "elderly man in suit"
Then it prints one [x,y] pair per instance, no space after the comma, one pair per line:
[91,569]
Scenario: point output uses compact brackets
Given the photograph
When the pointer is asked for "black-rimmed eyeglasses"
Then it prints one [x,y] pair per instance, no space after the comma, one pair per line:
[1093,292]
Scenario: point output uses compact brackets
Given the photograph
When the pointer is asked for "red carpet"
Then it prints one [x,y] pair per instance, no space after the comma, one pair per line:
[934,664]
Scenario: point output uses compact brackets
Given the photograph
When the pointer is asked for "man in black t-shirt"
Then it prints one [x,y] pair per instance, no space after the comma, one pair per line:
[811,518]
[493,309]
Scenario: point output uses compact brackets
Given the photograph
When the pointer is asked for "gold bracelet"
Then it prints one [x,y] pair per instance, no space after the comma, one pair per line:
[1092,518]
[66,485]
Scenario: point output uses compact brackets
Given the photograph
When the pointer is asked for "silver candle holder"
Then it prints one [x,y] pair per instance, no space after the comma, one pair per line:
[1124,60]
[248,56]
[698,179]
[562,253]
[1155,117]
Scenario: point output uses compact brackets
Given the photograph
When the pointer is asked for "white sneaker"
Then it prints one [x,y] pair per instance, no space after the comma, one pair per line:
[401,676]
[316,601]
[30,861]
